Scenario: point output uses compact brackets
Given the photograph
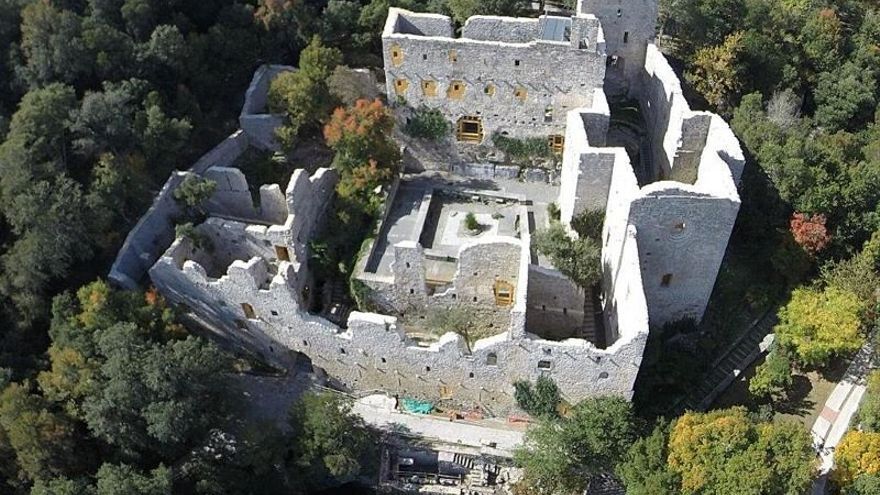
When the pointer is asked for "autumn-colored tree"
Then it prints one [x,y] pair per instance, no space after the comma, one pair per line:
[857,453]
[711,451]
[303,95]
[359,135]
[809,232]
[819,324]
[716,72]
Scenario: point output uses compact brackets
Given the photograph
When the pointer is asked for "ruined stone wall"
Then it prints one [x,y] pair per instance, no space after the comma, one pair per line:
[679,135]
[586,168]
[555,303]
[629,27]
[505,84]
[374,353]
[497,28]
[154,232]
[255,119]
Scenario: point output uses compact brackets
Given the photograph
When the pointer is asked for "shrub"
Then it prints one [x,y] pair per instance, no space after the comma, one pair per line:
[427,123]
[773,378]
[542,400]
[523,149]
[589,224]
[553,212]
[471,223]
[199,240]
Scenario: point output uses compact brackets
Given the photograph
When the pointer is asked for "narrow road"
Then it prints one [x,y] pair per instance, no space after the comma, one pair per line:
[834,420]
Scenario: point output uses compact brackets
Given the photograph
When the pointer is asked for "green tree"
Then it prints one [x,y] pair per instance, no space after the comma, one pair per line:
[45,442]
[123,479]
[303,95]
[192,192]
[644,469]
[328,441]
[845,97]
[716,72]
[578,259]
[773,378]
[463,9]
[563,455]
[589,224]
[62,486]
[819,324]
[50,46]
[869,410]
[866,484]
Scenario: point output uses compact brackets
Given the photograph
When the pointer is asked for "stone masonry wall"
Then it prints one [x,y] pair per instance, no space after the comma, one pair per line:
[373,353]
[555,303]
[629,27]
[255,119]
[505,84]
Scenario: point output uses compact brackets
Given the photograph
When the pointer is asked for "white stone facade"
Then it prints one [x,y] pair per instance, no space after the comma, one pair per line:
[515,75]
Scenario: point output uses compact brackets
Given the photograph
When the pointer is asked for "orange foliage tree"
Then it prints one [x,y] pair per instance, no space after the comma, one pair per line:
[366,156]
[810,232]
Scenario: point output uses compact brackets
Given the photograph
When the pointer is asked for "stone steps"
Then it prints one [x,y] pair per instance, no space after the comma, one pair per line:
[726,368]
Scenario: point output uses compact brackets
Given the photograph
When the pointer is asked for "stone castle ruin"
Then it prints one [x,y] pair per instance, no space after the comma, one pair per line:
[669,193]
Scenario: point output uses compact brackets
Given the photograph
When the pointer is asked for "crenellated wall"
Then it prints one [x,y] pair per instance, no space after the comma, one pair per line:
[374,352]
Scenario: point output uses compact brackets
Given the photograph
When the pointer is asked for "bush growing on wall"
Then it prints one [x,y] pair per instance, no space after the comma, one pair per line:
[540,400]
[519,150]
[427,124]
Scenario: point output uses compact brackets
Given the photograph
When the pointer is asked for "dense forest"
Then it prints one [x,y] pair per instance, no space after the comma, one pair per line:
[104,392]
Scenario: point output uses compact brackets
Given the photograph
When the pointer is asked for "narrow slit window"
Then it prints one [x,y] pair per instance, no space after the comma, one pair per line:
[666,280]
[548,115]
[396,56]
[626,36]
[400,86]
[429,88]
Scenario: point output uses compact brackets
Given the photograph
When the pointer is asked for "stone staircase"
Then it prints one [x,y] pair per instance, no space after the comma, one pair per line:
[588,329]
[728,366]
[337,303]
[463,460]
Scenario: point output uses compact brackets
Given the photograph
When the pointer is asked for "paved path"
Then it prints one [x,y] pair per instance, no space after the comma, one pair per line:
[380,414]
[834,420]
